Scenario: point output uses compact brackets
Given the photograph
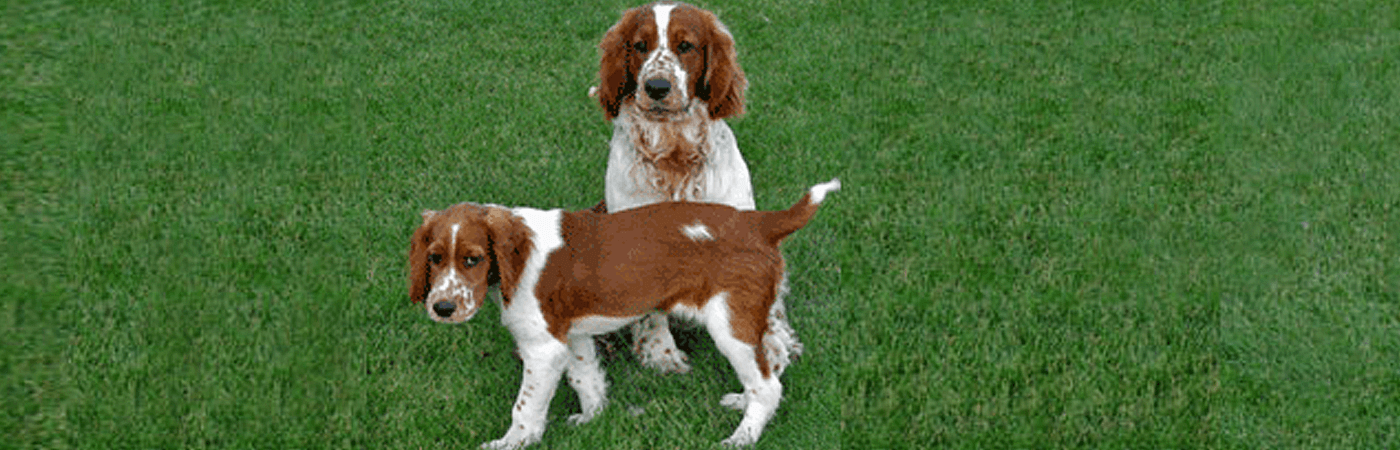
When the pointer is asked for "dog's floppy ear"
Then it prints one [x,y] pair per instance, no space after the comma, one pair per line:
[510,247]
[418,258]
[724,83]
[615,78]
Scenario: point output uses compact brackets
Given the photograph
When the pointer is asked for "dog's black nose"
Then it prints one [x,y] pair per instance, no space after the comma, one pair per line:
[444,308]
[658,88]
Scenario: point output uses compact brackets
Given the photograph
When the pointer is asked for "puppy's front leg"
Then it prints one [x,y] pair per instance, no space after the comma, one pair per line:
[544,364]
[587,379]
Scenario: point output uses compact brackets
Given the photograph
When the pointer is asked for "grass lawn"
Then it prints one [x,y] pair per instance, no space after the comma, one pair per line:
[1063,224]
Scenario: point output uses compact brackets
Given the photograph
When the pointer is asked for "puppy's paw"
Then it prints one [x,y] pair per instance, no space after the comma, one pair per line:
[739,439]
[500,444]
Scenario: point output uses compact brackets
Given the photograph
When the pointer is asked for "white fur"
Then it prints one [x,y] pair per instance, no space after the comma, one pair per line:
[663,21]
[586,377]
[595,325]
[697,232]
[761,395]
[819,191]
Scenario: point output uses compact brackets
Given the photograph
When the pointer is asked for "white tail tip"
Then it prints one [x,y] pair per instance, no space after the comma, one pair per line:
[819,191]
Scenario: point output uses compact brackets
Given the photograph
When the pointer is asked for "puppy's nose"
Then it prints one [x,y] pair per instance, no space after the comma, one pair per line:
[444,308]
[657,88]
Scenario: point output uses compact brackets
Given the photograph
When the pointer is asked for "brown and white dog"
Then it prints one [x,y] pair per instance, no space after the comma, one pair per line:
[668,77]
[565,277]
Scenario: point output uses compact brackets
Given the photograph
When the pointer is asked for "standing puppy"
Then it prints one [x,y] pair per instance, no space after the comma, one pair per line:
[667,79]
[565,277]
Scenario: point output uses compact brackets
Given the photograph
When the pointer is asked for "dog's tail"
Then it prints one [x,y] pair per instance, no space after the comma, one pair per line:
[776,225]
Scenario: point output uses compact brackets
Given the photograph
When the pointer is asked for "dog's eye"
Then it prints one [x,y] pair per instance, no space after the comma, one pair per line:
[641,46]
[435,258]
[471,261]
[684,47]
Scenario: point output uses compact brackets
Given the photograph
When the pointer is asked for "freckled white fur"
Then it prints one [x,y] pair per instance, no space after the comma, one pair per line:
[452,288]
[723,179]
[697,232]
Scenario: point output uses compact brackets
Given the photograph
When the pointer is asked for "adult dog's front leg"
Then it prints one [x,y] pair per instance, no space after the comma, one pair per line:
[655,347]
[544,364]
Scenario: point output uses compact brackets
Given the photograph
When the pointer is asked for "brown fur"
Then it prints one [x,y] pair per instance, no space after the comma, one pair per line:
[624,264]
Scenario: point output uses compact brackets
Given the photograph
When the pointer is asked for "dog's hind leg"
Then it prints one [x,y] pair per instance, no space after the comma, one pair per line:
[762,392]
[780,343]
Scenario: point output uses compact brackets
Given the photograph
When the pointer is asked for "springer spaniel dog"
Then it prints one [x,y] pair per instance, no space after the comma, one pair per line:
[565,277]
[668,78]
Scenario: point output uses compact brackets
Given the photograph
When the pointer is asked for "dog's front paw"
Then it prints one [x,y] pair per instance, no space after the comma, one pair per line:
[734,401]
[507,443]
[503,444]
[739,439]
[673,362]
[500,444]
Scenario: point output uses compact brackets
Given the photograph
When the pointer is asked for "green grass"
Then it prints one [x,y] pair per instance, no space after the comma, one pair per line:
[1063,224]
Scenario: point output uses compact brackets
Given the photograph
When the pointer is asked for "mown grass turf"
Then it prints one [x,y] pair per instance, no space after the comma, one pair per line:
[1063,224]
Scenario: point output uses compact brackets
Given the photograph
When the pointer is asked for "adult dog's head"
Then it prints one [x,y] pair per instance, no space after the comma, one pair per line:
[679,56]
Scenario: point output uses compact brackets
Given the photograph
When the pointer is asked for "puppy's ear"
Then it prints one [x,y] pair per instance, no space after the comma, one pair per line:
[418,258]
[724,83]
[510,247]
[615,78]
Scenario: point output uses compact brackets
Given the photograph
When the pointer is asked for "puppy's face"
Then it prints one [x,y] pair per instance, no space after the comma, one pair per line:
[450,263]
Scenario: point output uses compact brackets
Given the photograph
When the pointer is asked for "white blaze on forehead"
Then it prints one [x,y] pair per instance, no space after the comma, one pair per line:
[697,232]
[663,18]
[662,62]
[451,286]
